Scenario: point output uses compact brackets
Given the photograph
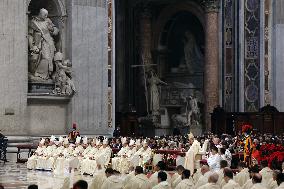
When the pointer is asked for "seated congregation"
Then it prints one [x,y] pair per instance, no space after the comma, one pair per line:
[125,162]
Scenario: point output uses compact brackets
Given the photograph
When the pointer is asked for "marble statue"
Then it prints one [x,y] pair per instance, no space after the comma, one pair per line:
[62,76]
[41,47]
[192,54]
[194,112]
[191,117]
[154,93]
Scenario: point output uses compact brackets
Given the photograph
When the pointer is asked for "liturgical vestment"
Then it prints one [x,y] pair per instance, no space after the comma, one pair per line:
[140,181]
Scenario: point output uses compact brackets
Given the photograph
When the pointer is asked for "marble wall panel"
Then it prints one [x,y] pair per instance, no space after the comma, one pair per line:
[90,60]
[13,72]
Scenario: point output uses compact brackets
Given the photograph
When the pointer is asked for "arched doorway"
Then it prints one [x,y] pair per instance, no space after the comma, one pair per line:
[180,59]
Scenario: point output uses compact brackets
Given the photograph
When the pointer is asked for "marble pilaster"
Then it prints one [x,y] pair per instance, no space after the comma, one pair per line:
[211,73]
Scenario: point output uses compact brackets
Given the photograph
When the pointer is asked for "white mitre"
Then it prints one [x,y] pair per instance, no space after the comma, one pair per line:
[132,142]
[66,141]
[52,138]
[105,141]
[98,142]
[85,140]
[42,141]
[138,142]
[78,140]
[123,140]
[190,136]
[145,143]
[61,139]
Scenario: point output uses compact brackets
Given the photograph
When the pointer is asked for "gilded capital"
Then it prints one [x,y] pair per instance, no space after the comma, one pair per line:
[211,5]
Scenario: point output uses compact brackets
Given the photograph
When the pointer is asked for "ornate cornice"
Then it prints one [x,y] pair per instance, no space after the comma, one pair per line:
[211,5]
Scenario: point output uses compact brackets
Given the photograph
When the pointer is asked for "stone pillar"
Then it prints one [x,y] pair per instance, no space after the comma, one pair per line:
[211,73]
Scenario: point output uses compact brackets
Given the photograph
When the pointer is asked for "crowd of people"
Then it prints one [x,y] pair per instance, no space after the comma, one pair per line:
[121,162]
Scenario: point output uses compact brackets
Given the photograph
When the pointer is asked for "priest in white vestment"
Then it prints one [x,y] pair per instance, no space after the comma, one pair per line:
[225,154]
[177,177]
[212,182]
[214,159]
[99,178]
[59,164]
[89,163]
[103,157]
[223,164]
[256,180]
[135,159]
[196,175]
[73,161]
[139,181]
[86,148]
[243,176]
[160,167]
[45,162]
[145,154]
[186,182]
[128,176]
[32,161]
[113,181]
[253,170]
[125,160]
[191,153]
[203,179]
[162,181]
[228,177]
[116,160]
[265,172]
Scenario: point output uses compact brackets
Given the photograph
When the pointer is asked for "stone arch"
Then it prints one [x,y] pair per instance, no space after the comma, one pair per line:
[164,27]
[61,9]
[168,12]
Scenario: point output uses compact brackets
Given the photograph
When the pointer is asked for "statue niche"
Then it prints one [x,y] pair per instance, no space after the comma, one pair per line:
[49,73]
[41,47]
[181,64]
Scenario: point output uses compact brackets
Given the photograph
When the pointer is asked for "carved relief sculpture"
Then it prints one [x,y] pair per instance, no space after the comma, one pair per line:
[41,47]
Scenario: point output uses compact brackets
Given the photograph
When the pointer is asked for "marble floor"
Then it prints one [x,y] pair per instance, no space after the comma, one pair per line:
[17,176]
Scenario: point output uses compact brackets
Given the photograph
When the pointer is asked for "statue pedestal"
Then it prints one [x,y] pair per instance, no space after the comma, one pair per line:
[163,131]
[41,88]
[196,130]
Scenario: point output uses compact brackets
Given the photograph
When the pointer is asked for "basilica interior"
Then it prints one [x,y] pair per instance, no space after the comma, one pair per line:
[119,88]
[221,54]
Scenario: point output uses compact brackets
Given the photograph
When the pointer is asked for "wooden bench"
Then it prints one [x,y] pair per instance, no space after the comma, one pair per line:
[28,147]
